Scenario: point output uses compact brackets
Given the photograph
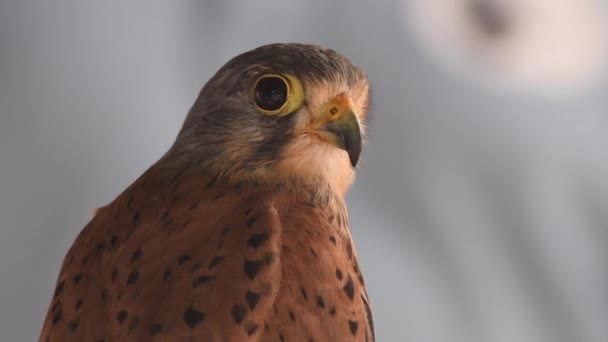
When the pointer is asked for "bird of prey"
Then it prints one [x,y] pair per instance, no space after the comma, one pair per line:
[240,231]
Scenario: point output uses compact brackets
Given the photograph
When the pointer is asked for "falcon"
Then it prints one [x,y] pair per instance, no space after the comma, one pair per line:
[240,231]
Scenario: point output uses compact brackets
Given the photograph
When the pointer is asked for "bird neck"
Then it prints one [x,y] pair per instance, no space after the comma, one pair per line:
[316,181]
[314,189]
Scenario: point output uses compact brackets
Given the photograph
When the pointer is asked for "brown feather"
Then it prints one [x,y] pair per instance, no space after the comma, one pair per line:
[210,263]
[239,232]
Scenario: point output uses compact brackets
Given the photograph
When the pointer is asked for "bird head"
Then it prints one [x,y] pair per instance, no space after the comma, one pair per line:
[288,114]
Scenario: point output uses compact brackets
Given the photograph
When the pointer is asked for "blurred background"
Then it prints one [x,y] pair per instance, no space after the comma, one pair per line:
[480,212]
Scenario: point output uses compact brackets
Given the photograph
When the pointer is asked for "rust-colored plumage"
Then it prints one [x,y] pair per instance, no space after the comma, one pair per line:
[196,250]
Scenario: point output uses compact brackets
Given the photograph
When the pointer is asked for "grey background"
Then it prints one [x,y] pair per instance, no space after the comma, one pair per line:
[478,215]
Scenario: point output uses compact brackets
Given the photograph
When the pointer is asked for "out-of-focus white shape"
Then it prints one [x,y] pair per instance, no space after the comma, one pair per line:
[540,44]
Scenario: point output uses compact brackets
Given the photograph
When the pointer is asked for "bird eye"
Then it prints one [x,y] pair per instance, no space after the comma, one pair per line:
[279,95]
[270,93]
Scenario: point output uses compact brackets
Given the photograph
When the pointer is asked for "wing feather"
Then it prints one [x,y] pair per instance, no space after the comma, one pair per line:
[198,262]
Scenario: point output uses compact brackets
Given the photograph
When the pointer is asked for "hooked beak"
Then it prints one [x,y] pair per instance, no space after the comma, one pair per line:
[339,125]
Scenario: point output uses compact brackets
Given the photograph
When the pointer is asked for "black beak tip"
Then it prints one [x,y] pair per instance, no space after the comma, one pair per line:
[354,152]
[353,160]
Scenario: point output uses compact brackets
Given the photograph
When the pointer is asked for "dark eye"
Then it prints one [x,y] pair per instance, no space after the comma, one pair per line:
[270,93]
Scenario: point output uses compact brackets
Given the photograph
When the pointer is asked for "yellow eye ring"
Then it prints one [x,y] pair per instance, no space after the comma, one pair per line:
[275,94]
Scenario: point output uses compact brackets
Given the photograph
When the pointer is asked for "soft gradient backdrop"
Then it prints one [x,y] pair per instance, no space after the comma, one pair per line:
[479,213]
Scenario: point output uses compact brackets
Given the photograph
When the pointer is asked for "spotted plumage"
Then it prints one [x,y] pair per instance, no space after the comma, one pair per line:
[240,231]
